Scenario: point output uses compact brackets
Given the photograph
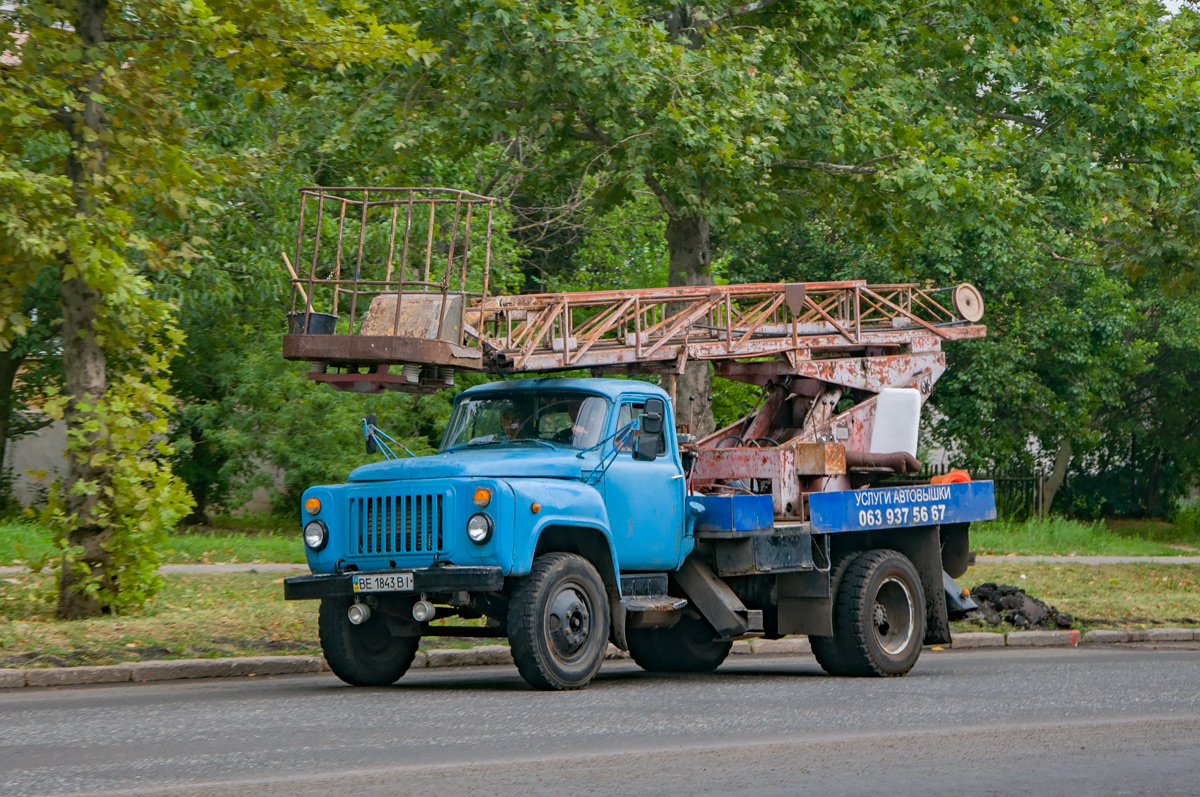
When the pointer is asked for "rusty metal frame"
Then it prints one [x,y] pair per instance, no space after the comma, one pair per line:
[828,331]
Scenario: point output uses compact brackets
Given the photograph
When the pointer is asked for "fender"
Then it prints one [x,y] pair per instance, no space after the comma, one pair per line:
[567,505]
[562,503]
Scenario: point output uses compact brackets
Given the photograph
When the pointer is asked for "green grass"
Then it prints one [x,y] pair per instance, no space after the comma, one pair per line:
[1056,535]
[24,541]
[1182,535]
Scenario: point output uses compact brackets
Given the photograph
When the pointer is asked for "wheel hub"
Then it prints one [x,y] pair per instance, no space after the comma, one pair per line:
[569,622]
[893,616]
[881,622]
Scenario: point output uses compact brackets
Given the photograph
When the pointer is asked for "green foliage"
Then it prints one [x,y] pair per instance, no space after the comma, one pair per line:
[1148,453]
[138,499]
[622,247]
[1059,536]
[917,121]
[312,433]
[93,136]
[1187,517]
[733,401]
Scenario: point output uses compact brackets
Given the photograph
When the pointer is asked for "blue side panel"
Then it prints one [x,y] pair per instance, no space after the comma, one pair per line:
[734,512]
[901,507]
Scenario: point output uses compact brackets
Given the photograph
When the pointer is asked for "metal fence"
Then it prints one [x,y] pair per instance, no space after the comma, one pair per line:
[1020,495]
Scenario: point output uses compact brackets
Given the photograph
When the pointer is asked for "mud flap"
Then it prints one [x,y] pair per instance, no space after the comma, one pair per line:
[616,622]
[959,605]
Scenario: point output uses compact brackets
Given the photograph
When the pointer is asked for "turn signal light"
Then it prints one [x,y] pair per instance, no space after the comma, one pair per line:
[483,497]
[312,506]
[535,507]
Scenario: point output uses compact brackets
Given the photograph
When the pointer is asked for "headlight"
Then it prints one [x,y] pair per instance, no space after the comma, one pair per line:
[316,535]
[479,527]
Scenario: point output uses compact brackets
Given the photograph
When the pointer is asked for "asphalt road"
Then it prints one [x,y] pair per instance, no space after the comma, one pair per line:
[1117,720]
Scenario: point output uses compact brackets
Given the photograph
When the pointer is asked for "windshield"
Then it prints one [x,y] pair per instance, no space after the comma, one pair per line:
[570,420]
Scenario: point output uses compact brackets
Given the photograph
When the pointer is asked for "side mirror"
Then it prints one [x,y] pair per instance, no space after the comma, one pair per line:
[369,432]
[652,416]
[646,444]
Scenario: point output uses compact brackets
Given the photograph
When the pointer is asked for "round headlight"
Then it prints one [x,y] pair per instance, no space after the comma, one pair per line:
[316,535]
[479,528]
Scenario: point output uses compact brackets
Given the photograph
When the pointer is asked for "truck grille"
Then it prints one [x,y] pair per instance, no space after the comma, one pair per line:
[398,524]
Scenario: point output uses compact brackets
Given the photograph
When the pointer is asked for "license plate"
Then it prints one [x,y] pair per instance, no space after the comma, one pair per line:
[384,582]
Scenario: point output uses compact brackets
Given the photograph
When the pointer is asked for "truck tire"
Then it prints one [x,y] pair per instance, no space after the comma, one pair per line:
[362,655]
[878,618]
[558,622]
[691,645]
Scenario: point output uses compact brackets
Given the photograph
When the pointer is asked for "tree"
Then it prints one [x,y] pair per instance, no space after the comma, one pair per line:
[915,122]
[1148,450]
[91,133]
[331,127]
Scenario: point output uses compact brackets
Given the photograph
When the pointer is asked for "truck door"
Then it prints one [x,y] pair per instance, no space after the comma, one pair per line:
[645,500]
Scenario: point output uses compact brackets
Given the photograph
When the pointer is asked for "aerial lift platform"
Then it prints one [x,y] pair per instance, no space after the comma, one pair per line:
[395,289]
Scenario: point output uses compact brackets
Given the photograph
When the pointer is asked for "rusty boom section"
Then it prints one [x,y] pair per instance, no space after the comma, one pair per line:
[396,289]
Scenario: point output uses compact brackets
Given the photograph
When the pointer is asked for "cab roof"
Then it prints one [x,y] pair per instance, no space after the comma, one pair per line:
[610,388]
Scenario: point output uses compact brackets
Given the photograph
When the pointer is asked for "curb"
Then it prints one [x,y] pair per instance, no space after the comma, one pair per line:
[251,666]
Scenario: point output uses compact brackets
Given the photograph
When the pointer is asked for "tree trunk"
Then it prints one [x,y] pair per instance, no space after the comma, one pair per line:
[687,242]
[1152,478]
[1061,461]
[85,366]
[85,372]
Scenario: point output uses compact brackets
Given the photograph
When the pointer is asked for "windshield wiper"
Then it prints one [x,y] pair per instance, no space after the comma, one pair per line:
[491,440]
[545,443]
[488,440]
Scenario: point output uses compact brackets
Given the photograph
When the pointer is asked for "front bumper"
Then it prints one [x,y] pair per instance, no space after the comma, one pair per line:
[447,578]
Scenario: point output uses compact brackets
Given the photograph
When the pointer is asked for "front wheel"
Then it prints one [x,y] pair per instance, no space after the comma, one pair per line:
[691,645]
[878,618]
[558,622]
[362,655]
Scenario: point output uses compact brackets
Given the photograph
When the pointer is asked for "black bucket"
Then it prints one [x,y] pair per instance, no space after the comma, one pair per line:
[318,323]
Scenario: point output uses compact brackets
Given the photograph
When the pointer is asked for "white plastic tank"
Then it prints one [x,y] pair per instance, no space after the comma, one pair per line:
[897,421]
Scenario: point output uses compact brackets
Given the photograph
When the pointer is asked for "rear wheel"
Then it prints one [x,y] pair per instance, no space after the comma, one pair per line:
[691,645]
[366,654]
[558,622]
[878,618]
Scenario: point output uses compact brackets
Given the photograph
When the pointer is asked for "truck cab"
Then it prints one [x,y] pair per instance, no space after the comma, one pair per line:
[527,469]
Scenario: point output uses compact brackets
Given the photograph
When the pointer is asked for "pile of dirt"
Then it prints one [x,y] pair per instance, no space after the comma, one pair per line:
[1004,603]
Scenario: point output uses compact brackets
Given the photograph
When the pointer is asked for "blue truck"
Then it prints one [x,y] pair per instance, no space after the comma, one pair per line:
[564,514]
